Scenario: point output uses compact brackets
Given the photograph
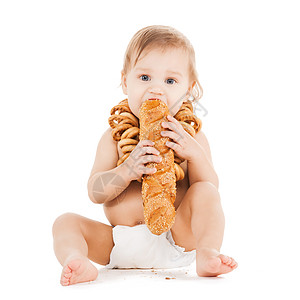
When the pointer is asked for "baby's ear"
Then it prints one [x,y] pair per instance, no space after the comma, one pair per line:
[124,84]
[192,84]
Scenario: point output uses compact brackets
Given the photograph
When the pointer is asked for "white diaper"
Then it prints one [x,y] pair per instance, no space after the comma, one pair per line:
[138,247]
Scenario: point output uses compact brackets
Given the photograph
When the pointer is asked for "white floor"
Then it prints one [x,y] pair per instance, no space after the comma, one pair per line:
[246,282]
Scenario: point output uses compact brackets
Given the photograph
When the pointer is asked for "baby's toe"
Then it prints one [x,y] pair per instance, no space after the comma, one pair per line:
[65,281]
[65,276]
[234,264]
[230,262]
[66,270]
[225,259]
[68,275]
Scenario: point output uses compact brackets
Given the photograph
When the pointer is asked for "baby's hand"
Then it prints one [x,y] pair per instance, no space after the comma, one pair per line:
[140,156]
[183,144]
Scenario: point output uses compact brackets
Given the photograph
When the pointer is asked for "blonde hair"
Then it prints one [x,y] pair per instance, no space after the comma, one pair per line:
[162,37]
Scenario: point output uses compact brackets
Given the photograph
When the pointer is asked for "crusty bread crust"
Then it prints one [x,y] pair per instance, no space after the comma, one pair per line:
[158,189]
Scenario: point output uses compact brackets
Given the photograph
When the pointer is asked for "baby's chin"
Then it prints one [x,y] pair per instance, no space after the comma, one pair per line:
[135,113]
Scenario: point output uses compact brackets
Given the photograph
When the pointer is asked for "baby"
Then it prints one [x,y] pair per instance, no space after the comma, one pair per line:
[159,63]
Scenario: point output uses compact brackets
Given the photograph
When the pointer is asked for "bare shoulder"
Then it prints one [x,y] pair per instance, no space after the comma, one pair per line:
[201,138]
[106,154]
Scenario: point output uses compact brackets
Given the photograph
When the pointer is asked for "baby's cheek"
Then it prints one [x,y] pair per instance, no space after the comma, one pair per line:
[134,105]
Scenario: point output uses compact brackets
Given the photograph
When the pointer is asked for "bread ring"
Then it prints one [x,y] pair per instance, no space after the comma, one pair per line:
[188,105]
[123,158]
[188,128]
[127,148]
[130,133]
[132,117]
[196,122]
[177,159]
[125,142]
[121,107]
[117,132]
[179,172]
[120,119]
[186,115]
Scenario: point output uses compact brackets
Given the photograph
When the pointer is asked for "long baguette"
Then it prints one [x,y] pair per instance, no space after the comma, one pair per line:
[158,189]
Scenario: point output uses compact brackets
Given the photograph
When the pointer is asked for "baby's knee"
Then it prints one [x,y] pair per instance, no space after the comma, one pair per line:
[203,192]
[64,220]
[204,187]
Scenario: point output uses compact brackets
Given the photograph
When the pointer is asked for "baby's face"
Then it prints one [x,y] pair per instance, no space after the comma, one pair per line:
[158,75]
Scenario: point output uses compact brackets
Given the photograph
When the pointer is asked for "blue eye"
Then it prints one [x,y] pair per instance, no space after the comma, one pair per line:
[144,76]
[147,78]
[171,79]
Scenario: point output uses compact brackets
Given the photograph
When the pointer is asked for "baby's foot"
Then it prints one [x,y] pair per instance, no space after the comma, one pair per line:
[78,270]
[210,262]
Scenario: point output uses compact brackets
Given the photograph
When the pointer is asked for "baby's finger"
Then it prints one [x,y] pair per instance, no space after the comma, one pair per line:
[146,143]
[150,150]
[140,151]
[150,158]
[147,170]
[172,119]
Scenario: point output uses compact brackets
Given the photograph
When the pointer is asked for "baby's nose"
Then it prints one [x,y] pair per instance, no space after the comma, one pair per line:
[156,89]
[156,92]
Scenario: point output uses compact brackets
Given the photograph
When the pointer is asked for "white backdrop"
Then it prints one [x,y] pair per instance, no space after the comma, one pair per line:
[60,64]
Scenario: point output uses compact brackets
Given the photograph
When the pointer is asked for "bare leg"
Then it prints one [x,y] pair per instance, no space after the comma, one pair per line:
[76,239]
[207,223]
[68,241]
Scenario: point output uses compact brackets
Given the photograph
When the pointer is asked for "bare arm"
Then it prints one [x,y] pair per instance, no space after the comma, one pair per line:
[107,185]
[106,181]
[201,167]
